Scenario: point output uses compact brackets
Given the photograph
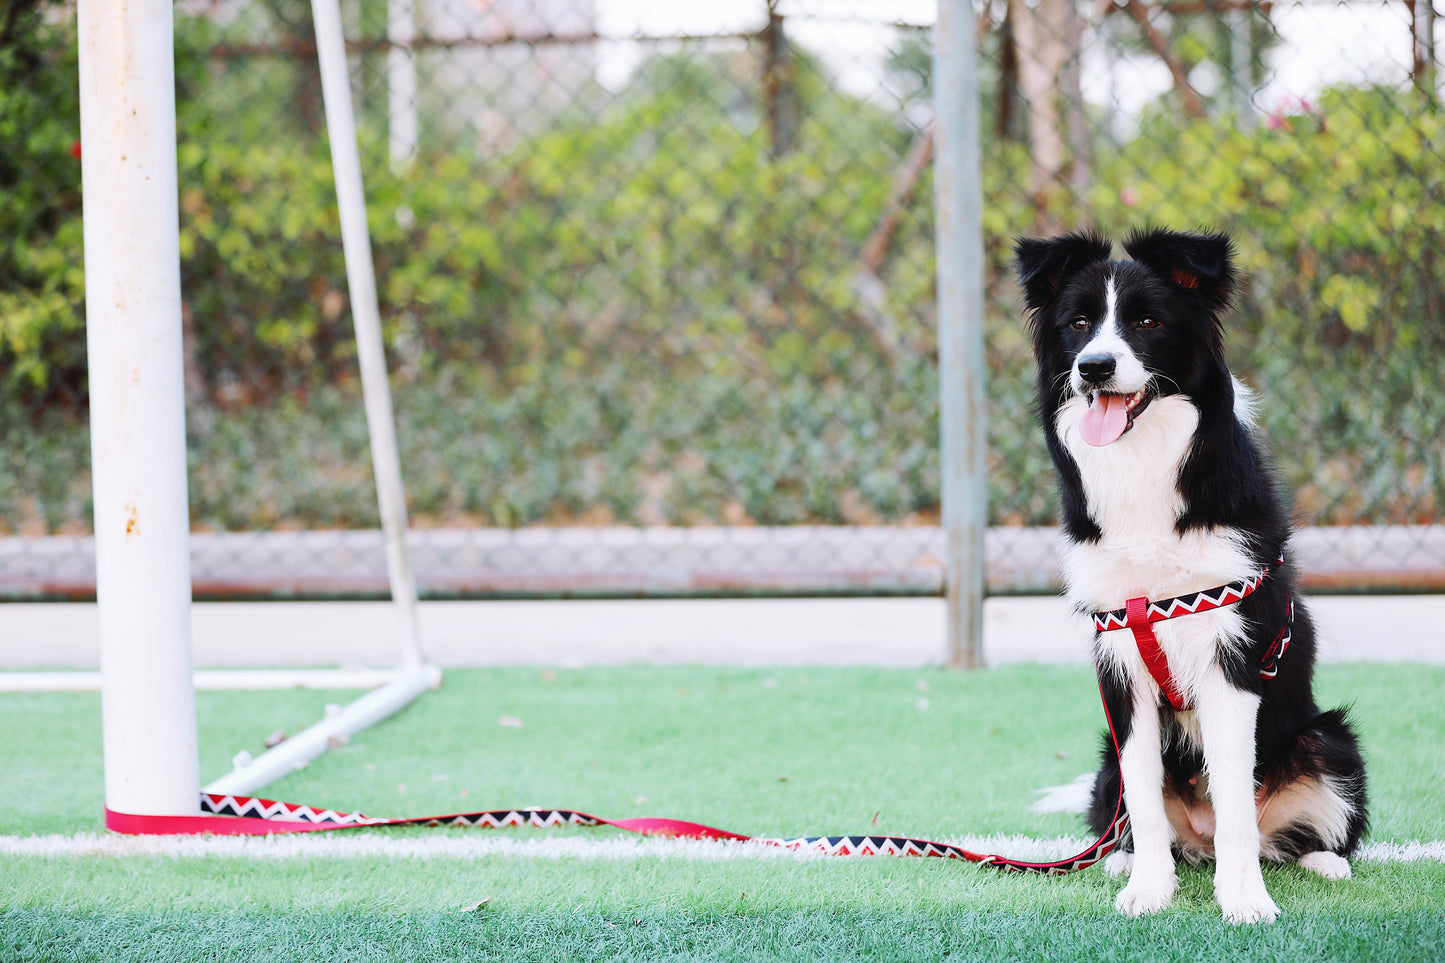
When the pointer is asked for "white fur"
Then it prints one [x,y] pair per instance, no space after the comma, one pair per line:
[1244,404]
[1329,865]
[1321,805]
[1226,721]
[1151,878]
[1070,798]
[1131,494]
[1131,490]
[1129,373]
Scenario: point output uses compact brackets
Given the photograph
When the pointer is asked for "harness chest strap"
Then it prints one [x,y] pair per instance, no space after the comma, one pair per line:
[1152,654]
[1139,614]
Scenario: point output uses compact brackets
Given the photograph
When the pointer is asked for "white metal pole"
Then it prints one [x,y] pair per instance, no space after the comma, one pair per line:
[137,405]
[959,219]
[249,776]
[361,281]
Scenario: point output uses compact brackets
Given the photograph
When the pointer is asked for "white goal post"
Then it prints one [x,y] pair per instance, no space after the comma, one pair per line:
[137,406]
[133,321]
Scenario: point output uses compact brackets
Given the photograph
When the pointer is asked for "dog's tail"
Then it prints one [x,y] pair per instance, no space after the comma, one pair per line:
[1073,797]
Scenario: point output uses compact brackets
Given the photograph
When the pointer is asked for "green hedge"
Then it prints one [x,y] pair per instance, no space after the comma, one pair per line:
[42,278]
[648,317]
[1339,214]
[683,239]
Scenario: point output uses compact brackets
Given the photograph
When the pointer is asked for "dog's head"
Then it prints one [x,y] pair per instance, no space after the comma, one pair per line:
[1121,333]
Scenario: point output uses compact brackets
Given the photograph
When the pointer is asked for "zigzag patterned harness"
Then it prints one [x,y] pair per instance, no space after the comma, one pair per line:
[245,815]
[1138,616]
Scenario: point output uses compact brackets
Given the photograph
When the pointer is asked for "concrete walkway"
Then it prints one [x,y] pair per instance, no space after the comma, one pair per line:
[833,631]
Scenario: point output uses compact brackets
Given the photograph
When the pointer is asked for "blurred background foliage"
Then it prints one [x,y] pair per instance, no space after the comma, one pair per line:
[705,297]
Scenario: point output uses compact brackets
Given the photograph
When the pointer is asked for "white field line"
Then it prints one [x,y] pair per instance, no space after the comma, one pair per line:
[354,845]
[460,845]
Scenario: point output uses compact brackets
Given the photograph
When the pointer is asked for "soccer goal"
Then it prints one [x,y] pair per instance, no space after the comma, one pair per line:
[133,302]
[133,312]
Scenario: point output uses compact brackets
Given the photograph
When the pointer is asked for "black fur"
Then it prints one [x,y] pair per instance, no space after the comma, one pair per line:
[1187,282]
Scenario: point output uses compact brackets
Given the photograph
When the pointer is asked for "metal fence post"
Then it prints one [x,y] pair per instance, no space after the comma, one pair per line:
[958,202]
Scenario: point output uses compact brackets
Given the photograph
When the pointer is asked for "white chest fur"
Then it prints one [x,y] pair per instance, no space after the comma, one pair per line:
[1132,495]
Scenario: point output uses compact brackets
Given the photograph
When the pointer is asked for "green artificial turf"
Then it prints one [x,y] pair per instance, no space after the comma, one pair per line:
[788,935]
[759,751]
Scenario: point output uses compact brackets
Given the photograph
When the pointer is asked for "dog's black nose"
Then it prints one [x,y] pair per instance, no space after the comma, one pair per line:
[1096,368]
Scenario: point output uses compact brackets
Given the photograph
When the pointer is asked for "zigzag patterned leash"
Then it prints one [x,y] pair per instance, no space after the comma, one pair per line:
[227,815]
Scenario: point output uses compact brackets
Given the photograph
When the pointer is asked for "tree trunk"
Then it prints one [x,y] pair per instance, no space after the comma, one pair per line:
[1048,36]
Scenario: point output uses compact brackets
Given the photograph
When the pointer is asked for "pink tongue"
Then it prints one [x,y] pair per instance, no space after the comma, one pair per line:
[1105,420]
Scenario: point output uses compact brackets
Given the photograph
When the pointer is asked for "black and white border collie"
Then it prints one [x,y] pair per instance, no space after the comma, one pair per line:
[1166,491]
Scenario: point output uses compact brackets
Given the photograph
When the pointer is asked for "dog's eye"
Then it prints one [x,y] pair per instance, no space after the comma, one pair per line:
[1148,322]
[1080,323]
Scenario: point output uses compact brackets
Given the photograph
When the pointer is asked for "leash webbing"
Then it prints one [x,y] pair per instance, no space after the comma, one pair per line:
[230,815]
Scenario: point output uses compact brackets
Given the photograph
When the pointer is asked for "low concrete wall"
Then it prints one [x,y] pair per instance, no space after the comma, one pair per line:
[603,562]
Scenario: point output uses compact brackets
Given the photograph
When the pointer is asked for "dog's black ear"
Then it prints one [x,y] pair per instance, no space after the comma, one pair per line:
[1045,264]
[1199,264]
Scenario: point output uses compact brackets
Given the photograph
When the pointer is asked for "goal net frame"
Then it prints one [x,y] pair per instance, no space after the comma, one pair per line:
[138,445]
[133,309]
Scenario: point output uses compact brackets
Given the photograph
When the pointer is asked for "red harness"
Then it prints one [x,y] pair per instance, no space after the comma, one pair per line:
[1138,616]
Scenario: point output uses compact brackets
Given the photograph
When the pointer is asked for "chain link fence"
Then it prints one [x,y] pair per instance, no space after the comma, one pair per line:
[657,282]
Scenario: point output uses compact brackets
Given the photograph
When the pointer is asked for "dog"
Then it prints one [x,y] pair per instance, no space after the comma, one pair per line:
[1167,494]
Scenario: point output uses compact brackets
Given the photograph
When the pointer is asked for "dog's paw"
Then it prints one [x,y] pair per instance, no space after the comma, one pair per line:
[1327,864]
[1119,863]
[1145,895]
[1243,898]
[1256,909]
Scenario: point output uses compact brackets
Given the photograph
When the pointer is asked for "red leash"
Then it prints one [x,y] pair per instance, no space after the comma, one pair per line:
[225,815]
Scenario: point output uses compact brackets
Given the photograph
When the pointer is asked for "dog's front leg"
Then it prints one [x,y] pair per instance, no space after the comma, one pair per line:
[1226,726]
[1141,763]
